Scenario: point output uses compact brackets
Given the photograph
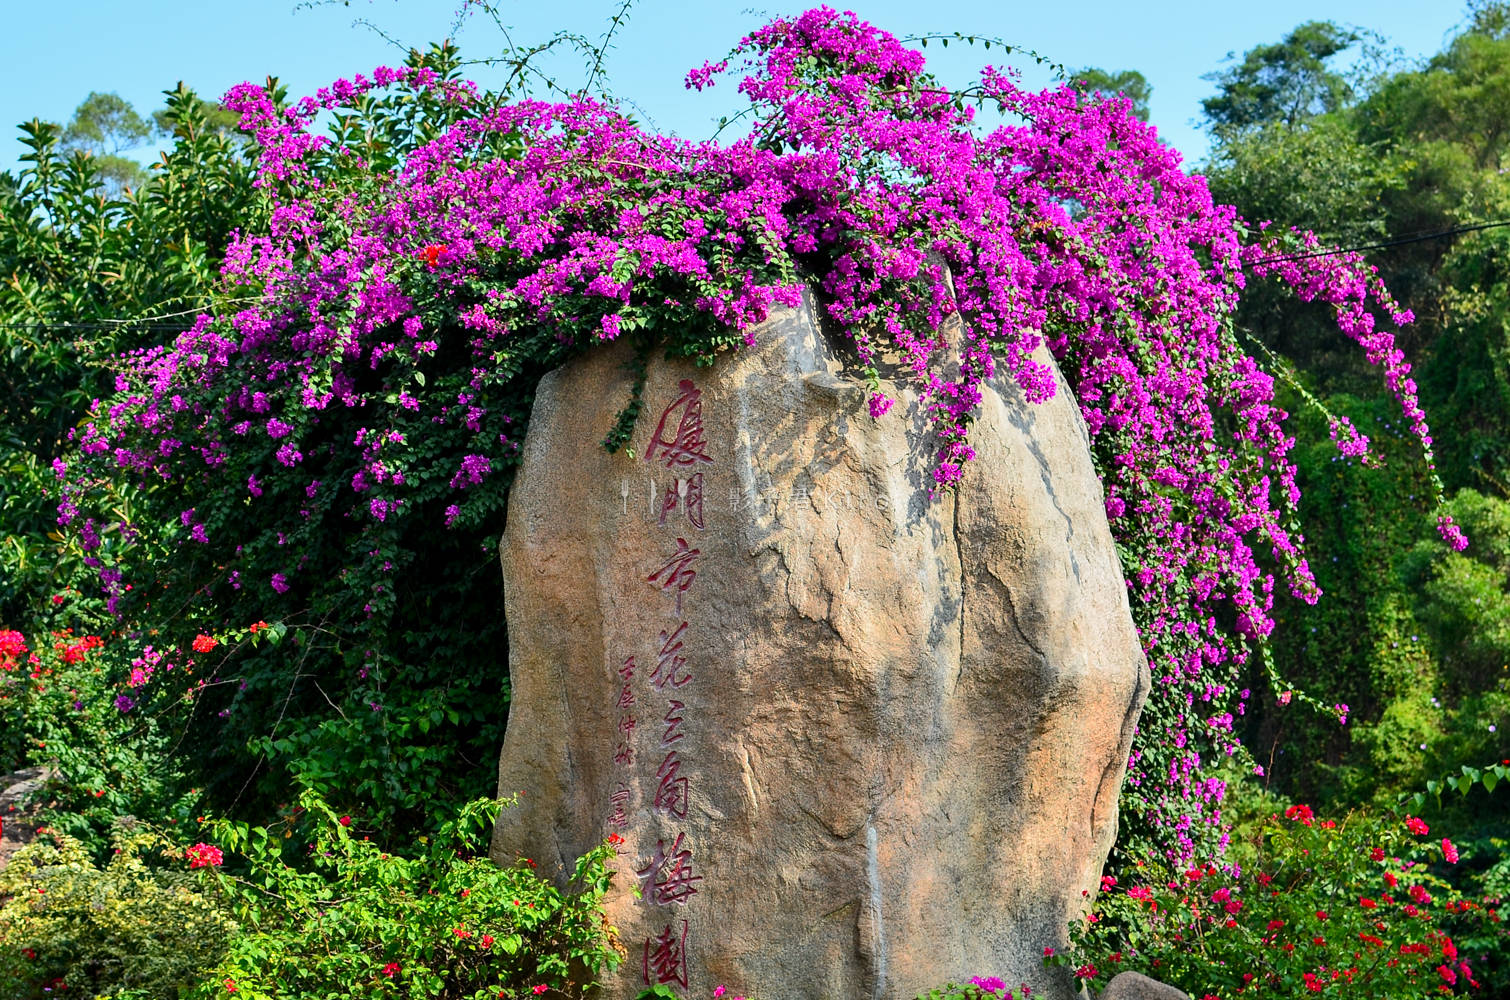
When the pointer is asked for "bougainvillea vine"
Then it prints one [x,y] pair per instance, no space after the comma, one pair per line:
[407,304]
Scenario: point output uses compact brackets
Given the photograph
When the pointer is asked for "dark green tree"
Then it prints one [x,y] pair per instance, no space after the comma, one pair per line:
[86,273]
[1285,82]
[1129,83]
[106,126]
[1417,652]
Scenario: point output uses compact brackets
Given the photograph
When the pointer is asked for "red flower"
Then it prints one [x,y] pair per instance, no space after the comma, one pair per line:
[461,932]
[1377,854]
[1086,972]
[431,255]
[1300,813]
[203,855]
[1366,903]
[487,940]
[204,643]
[391,969]
[345,821]
[541,988]
[1416,826]
[1449,852]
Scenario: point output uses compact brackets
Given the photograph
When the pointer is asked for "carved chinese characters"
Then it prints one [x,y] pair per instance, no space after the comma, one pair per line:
[669,879]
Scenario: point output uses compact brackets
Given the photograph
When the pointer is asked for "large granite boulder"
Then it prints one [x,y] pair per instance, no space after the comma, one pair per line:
[858,740]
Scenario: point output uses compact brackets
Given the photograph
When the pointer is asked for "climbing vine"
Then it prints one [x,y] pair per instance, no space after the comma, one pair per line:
[298,454]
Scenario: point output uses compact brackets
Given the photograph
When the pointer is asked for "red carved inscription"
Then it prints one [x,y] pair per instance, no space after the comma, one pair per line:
[665,958]
[668,878]
[688,445]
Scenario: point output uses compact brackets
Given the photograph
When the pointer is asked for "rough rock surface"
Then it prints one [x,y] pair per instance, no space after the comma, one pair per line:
[19,818]
[857,740]
[1136,986]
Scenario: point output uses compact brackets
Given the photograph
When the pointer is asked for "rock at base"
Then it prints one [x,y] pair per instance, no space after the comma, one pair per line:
[1136,986]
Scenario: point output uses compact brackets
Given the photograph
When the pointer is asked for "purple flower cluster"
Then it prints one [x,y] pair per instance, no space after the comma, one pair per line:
[1073,229]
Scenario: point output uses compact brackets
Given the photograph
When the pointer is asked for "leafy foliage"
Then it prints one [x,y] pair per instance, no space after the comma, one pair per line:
[354,920]
[102,717]
[1307,905]
[135,928]
[1128,83]
[87,276]
[1283,83]
[1411,152]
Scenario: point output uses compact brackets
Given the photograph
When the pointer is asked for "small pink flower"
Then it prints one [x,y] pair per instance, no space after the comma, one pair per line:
[1449,851]
[541,988]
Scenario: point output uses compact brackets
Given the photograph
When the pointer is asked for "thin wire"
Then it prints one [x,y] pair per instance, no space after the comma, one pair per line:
[101,325]
[1387,243]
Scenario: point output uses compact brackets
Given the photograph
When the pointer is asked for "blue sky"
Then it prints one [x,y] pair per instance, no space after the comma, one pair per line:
[60,53]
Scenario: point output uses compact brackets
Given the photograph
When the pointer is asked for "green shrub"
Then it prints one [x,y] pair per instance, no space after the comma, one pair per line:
[133,927]
[352,920]
[98,712]
[1359,907]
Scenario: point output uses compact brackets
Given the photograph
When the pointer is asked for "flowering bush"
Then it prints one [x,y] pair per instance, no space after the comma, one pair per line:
[342,917]
[419,275]
[1356,908]
[97,713]
[137,926]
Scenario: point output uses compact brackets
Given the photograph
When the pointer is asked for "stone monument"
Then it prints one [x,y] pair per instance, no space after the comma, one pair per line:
[856,739]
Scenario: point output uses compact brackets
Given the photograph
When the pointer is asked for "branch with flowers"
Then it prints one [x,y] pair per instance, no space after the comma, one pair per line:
[369,407]
[1356,907]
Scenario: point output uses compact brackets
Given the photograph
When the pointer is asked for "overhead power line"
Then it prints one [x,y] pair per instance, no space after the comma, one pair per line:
[1401,241]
